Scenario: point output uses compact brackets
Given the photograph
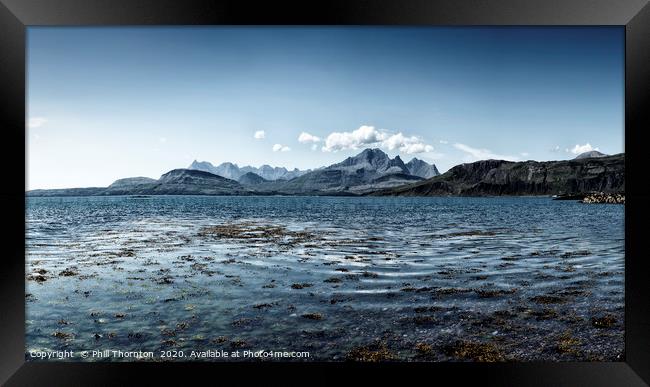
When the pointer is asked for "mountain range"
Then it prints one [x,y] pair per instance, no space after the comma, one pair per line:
[234,172]
[368,171]
[373,172]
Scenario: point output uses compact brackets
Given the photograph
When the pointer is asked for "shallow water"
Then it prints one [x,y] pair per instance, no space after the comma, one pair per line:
[397,278]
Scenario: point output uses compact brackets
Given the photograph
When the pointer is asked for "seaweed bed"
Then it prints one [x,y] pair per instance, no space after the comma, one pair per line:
[341,292]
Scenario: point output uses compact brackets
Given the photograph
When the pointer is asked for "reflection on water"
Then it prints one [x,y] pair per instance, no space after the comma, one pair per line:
[432,279]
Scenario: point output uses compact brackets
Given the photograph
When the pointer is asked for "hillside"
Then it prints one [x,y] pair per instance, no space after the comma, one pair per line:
[498,177]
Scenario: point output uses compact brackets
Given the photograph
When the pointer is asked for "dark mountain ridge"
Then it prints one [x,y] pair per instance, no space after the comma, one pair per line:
[499,177]
[250,178]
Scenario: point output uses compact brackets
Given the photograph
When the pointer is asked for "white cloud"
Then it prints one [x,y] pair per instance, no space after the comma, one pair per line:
[475,154]
[578,149]
[36,122]
[444,142]
[305,138]
[280,148]
[365,135]
[525,154]
[369,136]
[408,145]
[314,147]
[556,149]
[260,134]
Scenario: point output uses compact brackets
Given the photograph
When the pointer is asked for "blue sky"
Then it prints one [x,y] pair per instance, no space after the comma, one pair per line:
[113,102]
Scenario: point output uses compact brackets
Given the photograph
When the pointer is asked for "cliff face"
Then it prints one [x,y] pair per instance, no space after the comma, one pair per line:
[498,177]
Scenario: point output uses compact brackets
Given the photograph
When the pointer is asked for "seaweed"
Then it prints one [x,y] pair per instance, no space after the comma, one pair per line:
[567,344]
[219,340]
[68,272]
[301,286]
[475,351]
[313,316]
[544,314]
[238,343]
[375,352]
[37,278]
[546,299]
[63,335]
[490,293]
[423,348]
[242,322]
[424,320]
[606,321]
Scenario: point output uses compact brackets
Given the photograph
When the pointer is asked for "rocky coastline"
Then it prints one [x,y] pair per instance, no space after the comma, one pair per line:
[595,197]
[606,198]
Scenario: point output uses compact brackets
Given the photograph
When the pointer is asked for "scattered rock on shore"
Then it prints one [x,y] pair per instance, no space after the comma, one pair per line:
[600,197]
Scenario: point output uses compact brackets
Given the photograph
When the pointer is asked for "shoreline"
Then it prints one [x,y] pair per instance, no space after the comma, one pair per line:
[576,197]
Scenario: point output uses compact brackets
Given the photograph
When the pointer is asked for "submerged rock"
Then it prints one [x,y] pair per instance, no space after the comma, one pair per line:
[36,277]
[301,286]
[68,273]
[62,335]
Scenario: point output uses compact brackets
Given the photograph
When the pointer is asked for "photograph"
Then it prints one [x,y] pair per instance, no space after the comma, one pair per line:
[325,194]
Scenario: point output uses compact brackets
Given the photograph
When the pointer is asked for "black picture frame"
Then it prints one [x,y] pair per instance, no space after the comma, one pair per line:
[16,15]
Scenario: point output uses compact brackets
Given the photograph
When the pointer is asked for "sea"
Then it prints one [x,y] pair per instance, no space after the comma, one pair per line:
[289,278]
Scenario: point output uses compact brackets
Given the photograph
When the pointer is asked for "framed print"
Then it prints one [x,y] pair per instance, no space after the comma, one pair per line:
[381,187]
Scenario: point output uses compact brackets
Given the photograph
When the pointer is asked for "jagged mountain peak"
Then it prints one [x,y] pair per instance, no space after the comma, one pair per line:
[421,168]
[233,171]
[372,154]
[372,158]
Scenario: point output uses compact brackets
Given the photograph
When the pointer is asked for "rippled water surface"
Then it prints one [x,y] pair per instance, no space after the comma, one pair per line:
[433,279]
